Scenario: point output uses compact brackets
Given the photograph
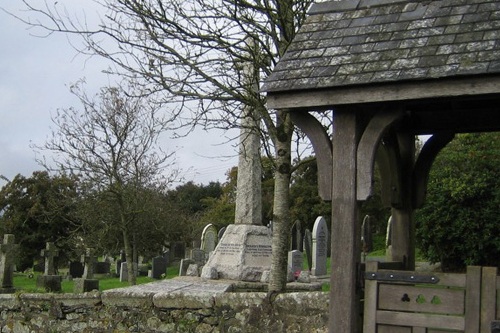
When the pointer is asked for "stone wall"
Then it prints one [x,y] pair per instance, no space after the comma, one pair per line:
[124,312]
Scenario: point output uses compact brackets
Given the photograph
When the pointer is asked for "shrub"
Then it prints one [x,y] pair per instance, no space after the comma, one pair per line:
[459,223]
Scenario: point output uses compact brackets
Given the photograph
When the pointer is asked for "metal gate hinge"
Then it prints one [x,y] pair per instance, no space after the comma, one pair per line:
[409,277]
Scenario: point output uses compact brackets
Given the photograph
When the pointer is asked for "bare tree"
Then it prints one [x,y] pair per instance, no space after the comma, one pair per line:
[112,145]
[194,50]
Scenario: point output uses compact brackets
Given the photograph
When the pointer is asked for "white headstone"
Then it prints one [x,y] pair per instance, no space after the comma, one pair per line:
[209,238]
[295,260]
[319,247]
[123,272]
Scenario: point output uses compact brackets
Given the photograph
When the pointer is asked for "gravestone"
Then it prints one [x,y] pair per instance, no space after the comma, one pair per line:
[193,270]
[49,280]
[319,247]
[366,235]
[87,282]
[208,239]
[118,262]
[159,267]
[123,256]
[8,254]
[388,240]
[102,267]
[308,247]
[124,272]
[76,269]
[178,250]
[297,242]
[295,260]
[166,255]
[183,267]
[221,233]
[199,256]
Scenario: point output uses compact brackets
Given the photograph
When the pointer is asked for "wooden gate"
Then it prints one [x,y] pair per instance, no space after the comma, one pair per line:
[412,302]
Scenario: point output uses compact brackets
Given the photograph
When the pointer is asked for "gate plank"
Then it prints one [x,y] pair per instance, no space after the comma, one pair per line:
[421,320]
[472,299]
[371,295]
[421,299]
[488,298]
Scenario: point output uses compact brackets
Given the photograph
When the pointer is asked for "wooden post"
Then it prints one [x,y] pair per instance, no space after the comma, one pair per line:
[346,229]
[403,225]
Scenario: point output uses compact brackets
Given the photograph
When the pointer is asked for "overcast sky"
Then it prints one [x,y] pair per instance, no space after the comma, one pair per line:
[35,74]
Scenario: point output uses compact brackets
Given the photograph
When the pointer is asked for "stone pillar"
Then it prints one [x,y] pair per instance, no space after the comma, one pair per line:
[244,251]
[8,253]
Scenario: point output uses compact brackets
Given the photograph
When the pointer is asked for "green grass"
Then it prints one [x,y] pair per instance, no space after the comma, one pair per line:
[27,282]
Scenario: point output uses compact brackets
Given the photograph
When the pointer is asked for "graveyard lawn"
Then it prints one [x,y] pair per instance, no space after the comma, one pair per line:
[26,283]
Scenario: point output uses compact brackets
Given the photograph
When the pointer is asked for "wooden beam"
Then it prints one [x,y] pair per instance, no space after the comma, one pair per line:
[403,225]
[346,228]
[322,149]
[422,168]
[388,159]
[376,93]
[377,127]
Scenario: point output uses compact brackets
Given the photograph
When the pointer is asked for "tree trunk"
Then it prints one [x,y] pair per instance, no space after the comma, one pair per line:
[129,257]
[281,210]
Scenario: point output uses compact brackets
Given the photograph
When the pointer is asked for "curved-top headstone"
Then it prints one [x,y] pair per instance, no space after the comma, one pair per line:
[319,247]
[209,238]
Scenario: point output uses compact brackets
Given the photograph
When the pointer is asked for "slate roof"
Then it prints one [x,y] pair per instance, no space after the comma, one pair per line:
[357,42]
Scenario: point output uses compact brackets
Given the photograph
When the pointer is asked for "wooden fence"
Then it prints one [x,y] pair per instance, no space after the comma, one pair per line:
[412,302]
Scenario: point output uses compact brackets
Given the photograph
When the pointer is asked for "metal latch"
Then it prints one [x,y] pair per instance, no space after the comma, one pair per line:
[409,277]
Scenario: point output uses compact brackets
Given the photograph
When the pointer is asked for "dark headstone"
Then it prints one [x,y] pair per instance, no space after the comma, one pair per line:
[308,247]
[102,267]
[85,285]
[159,267]
[495,326]
[297,242]
[123,257]
[221,233]
[50,283]
[166,255]
[118,266]
[76,269]
[179,250]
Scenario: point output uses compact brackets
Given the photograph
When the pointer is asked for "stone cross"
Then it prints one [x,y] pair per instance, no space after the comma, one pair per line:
[89,260]
[49,253]
[8,252]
